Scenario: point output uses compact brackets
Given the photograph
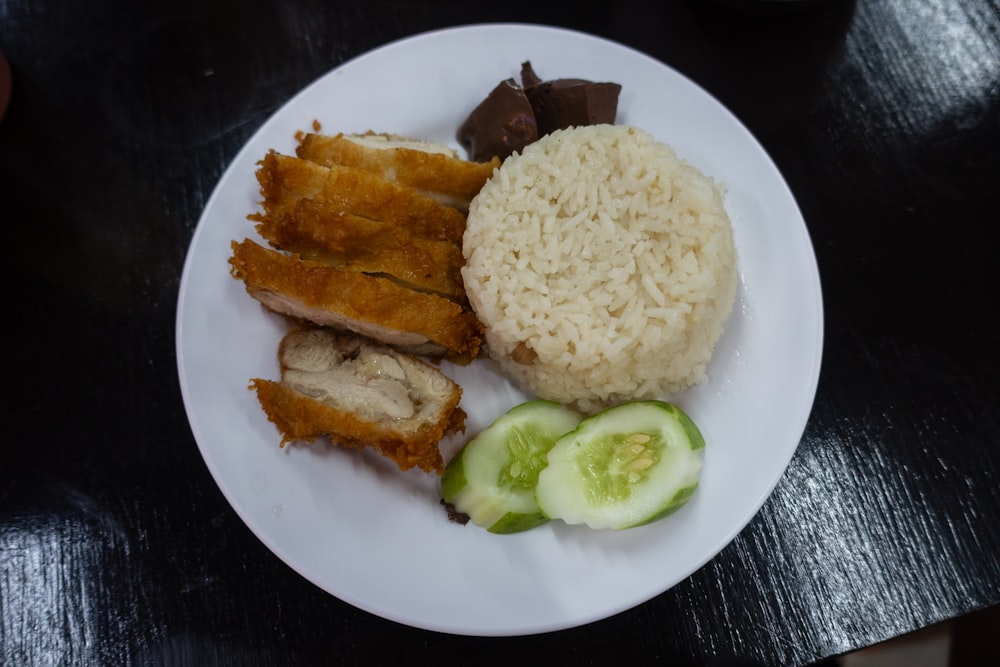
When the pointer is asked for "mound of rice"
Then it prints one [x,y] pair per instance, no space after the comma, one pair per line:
[602,266]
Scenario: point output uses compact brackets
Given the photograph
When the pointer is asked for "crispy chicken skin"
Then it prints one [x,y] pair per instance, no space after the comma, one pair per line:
[434,169]
[372,306]
[361,394]
[286,179]
[365,254]
[319,229]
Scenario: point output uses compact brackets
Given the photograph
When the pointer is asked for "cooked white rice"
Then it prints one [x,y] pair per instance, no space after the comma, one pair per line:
[602,266]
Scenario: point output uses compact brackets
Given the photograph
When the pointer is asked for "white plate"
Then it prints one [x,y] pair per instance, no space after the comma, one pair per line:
[377,538]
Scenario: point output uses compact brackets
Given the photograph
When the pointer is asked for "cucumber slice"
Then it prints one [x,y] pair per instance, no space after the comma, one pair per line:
[492,479]
[623,467]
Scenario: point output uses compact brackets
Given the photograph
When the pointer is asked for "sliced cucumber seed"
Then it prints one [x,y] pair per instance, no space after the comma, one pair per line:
[623,467]
[492,479]
[525,457]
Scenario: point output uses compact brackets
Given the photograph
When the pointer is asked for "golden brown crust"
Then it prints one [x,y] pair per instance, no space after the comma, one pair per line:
[285,179]
[358,297]
[300,418]
[367,242]
[431,172]
[318,229]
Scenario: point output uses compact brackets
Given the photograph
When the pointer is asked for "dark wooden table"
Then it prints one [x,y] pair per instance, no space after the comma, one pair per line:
[116,546]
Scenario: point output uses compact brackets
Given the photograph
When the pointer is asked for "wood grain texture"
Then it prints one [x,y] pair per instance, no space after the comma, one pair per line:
[116,547]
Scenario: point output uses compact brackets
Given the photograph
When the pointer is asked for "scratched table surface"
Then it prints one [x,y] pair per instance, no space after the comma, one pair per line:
[116,545]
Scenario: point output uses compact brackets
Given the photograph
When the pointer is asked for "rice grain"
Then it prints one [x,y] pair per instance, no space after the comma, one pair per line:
[606,261]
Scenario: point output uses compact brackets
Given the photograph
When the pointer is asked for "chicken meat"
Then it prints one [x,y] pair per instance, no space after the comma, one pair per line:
[373,306]
[361,394]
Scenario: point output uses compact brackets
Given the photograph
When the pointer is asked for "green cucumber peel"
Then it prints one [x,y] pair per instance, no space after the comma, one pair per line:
[626,466]
[492,479]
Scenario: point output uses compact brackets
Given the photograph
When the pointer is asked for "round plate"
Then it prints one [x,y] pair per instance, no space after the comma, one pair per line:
[378,538]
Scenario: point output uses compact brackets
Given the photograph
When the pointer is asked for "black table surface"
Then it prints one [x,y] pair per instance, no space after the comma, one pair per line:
[117,546]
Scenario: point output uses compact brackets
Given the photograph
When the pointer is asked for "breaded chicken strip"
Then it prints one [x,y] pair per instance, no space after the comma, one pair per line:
[372,306]
[318,229]
[360,394]
[285,179]
[434,169]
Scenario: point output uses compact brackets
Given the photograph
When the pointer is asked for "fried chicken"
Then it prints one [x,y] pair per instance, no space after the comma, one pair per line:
[372,306]
[285,179]
[365,254]
[361,395]
[433,169]
[319,229]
